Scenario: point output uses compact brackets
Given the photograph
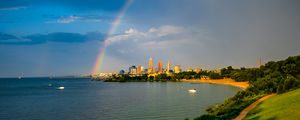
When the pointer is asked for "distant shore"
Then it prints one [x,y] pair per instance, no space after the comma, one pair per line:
[225,81]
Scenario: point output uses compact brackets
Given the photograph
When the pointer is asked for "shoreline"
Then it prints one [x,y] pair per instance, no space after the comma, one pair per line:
[225,81]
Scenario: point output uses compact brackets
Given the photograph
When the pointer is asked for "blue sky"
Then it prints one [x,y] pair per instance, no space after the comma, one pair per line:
[62,37]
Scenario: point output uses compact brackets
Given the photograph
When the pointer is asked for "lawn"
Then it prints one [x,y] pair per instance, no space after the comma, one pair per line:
[280,107]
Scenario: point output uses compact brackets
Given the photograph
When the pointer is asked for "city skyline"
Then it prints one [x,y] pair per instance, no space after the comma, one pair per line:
[150,69]
[64,37]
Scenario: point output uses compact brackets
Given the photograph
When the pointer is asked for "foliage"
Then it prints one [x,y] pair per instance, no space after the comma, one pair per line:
[280,77]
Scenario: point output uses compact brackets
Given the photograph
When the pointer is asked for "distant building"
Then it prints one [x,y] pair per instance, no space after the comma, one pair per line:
[159,67]
[258,62]
[122,72]
[197,70]
[150,66]
[168,68]
[143,69]
[177,69]
[102,75]
[190,70]
[140,69]
[217,70]
[132,70]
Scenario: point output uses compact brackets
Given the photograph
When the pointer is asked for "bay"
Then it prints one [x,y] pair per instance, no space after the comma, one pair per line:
[83,99]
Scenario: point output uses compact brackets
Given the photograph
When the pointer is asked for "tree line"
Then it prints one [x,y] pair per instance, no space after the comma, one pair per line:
[163,77]
[273,77]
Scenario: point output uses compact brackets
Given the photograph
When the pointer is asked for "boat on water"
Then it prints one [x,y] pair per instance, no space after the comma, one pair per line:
[61,88]
[192,91]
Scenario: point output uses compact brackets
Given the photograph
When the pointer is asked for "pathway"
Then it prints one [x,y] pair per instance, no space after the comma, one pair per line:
[250,107]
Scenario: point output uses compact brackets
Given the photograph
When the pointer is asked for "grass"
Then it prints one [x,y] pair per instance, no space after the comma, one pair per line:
[280,107]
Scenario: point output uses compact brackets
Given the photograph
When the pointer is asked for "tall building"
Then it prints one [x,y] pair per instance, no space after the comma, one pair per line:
[143,69]
[150,66]
[258,62]
[132,70]
[140,69]
[177,69]
[169,67]
[159,67]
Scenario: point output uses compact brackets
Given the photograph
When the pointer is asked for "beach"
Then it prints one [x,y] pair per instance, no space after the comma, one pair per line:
[225,81]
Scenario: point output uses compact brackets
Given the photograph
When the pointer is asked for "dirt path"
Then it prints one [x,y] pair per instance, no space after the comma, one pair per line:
[250,107]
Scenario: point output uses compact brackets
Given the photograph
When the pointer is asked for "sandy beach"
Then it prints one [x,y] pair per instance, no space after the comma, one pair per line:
[225,81]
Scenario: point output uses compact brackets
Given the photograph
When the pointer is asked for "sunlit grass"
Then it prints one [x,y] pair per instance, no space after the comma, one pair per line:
[281,107]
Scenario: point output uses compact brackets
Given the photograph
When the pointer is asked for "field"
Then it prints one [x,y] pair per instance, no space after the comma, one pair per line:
[280,107]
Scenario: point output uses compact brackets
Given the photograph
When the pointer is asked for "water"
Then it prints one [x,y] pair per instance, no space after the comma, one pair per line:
[83,99]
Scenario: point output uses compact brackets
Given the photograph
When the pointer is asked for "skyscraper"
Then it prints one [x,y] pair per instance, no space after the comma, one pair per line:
[132,70]
[258,62]
[177,69]
[140,69]
[159,67]
[150,65]
[169,67]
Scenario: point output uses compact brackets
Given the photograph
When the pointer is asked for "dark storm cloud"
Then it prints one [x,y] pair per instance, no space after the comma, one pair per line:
[240,32]
[4,37]
[60,37]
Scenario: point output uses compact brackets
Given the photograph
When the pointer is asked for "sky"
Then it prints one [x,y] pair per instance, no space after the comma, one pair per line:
[63,37]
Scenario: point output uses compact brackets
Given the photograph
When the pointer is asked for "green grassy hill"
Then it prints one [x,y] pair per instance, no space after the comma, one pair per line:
[281,107]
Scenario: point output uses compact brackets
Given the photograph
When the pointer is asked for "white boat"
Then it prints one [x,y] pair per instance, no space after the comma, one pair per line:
[192,91]
[61,88]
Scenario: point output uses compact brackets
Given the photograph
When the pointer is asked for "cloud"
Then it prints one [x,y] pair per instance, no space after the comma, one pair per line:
[4,37]
[11,39]
[74,18]
[158,37]
[59,37]
[13,8]
[67,19]
[134,46]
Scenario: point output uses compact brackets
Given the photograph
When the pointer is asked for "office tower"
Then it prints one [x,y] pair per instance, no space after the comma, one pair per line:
[132,70]
[150,65]
[177,69]
[140,69]
[159,67]
[169,67]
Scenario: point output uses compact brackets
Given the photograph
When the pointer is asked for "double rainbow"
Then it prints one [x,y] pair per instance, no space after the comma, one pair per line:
[114,26]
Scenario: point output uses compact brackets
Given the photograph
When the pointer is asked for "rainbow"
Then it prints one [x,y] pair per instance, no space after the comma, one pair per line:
[114,26]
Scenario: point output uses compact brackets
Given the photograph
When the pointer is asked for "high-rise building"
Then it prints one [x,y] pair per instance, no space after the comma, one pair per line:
[140,69]
[132,70]
[143,69]
[159,67]
[177,69]
[150,66]
[169,67]
[258,62]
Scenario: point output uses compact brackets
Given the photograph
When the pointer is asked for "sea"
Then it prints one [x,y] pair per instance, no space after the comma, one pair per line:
[84,99]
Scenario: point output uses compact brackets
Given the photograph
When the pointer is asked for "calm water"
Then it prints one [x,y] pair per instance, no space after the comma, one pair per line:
[82,99]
